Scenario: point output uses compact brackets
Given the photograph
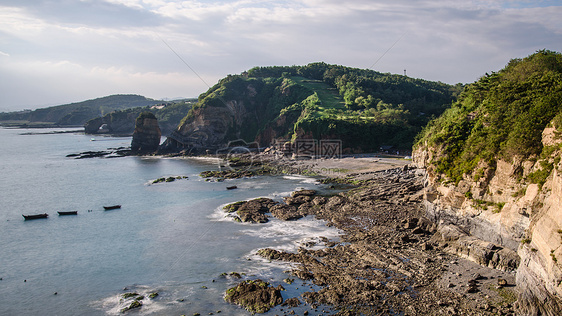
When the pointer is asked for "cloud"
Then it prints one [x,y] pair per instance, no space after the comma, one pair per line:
[104,46]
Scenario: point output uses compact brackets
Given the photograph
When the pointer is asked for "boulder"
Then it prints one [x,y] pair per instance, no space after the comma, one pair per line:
[253,211]
[256,296]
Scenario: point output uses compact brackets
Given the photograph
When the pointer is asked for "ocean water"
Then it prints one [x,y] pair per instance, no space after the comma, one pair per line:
[170,238]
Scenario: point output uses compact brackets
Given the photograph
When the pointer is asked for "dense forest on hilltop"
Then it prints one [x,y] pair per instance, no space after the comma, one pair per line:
[364,108]
[500,116]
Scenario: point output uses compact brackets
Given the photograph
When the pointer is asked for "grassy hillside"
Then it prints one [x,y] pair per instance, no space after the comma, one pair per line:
[80,112]
[364,108]
[500,116]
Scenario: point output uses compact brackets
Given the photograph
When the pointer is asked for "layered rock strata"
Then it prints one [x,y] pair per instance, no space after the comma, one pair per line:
[504,222]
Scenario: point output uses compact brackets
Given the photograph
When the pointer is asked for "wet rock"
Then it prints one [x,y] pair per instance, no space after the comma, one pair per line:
[256,296]
[303,193]
[253,211]
[129,295]
[292,302]
[273,254]
[298,200]
[233,207]
[319,200]
[135,304]
[285,212]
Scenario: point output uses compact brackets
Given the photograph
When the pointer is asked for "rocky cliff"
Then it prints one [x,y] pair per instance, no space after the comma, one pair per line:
[122,122]
[363,109]
[493,177]
[504,223]
[146,137]
[235,109]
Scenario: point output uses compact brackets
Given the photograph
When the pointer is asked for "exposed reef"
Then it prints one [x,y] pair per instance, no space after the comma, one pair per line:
[390,258]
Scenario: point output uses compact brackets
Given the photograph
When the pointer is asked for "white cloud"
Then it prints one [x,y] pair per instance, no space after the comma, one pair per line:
[112,45]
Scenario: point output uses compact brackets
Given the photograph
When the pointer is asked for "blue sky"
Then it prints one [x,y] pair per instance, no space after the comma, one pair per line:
[55,52]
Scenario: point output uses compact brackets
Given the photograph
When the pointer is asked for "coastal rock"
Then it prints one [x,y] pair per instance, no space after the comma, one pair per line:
[273,254]
[134,305]
[303,193]
[256,296]
[253,211]
[292,302]
[501,220]
[146,137]
[286,212]
[297,200]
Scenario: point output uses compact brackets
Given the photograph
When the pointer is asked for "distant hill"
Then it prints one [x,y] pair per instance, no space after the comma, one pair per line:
[363,108]
[78,113]
[122,122]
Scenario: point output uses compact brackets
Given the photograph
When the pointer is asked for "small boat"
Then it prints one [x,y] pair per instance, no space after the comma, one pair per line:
[36,216]
[112,207]
[232,187]
[68,213]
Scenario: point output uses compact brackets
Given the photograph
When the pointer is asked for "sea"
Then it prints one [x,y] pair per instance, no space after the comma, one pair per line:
[170,238]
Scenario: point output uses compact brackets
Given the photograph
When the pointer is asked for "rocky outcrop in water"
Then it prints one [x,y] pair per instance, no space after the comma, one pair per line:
[256,296]
[146,137]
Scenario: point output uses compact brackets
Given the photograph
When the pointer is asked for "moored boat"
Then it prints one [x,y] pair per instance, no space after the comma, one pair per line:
[232,187]
[68,213]
[112,207]
[35,216]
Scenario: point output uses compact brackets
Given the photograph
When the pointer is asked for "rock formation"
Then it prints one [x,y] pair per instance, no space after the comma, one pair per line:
[504,223]
[493,182]
[123,124]
[146,137]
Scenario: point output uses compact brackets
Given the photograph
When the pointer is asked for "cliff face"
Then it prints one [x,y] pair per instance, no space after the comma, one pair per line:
[503,222]
[494,177]
[122,124]
[362,109]
[235,109]
[146,136]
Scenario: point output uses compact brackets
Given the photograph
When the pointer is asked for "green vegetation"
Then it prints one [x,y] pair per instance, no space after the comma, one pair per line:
[80,112]
[363,108]
[500,116]
[508,295]
[169,115]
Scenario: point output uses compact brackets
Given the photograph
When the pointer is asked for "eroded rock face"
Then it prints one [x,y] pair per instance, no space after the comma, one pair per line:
[146,137]
[500,221]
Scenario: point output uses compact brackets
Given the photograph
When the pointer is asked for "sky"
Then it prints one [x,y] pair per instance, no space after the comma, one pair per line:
[60,51]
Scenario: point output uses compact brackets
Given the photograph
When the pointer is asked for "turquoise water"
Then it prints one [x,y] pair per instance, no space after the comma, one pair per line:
[171,238]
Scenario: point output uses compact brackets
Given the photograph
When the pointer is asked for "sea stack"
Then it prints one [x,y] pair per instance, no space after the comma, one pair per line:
[146,137]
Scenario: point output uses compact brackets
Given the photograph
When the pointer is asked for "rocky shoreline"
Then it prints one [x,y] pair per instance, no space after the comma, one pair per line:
[391,258]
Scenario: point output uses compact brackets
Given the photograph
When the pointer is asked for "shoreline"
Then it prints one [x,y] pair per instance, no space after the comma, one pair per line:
[394,262]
